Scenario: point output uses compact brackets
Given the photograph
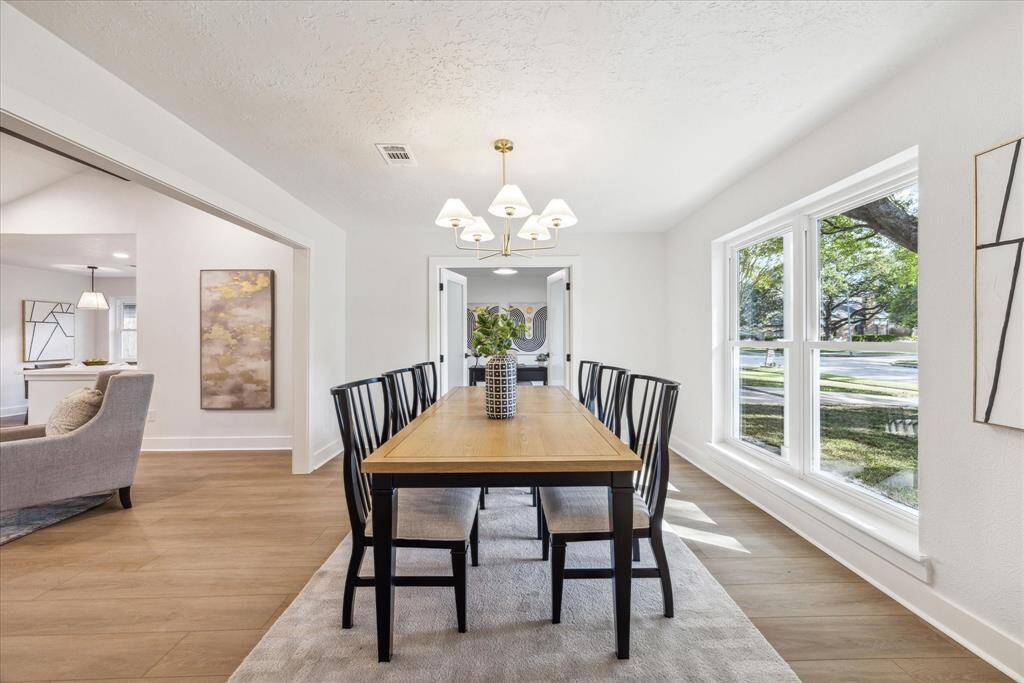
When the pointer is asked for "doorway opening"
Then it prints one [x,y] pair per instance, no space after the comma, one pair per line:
[186,428]
[538,292]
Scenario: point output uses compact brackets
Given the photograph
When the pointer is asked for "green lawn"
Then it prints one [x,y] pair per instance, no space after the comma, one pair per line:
[773,377]
[856,440]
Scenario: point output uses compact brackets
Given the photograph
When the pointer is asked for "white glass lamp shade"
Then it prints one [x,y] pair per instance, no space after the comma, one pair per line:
[477,231]
[557,214]
[93,301]
[510,203]
[533,230]
[453,214]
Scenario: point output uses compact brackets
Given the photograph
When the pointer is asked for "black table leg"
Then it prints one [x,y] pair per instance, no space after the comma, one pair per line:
[620,510]
[385,511]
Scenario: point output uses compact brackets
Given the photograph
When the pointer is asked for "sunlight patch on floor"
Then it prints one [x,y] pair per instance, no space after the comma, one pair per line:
[708,538]
[687,510]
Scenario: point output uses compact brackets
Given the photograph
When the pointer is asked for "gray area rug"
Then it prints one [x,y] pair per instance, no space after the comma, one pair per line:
[17,523]
[511,636]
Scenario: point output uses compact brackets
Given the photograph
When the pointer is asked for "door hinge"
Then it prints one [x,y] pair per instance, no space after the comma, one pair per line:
[568,358]
[568,286]
[442,357]
[440,286]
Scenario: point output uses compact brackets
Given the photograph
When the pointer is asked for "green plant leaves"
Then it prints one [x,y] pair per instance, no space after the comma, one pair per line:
[493,332]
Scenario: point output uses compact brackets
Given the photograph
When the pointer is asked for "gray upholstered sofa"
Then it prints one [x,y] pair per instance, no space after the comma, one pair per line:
[99,456]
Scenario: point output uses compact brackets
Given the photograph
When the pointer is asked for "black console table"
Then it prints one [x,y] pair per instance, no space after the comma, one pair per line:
[524,373]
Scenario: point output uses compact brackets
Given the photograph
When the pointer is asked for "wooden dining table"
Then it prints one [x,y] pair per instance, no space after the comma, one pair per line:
[552,441]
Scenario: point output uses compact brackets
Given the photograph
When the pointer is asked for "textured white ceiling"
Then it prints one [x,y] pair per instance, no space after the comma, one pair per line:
[25,168]
[634,112]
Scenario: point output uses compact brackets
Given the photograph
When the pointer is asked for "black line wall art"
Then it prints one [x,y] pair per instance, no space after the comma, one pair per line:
[999,286]
[534,316]
[48,330]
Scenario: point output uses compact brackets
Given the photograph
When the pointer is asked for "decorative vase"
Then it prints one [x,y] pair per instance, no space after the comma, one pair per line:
[500,388]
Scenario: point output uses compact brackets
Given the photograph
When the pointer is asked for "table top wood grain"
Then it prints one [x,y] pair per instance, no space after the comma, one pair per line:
[551,432]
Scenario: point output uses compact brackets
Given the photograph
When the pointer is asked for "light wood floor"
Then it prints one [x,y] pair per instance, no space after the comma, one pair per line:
[183,585]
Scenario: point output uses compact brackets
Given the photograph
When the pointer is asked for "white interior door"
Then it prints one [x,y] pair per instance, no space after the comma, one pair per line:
[452,372]
[559,366]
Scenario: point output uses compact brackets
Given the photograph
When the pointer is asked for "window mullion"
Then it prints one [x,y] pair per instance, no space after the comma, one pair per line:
[797,373]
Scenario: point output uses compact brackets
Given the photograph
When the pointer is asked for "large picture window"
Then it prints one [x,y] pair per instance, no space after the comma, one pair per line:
[823,341]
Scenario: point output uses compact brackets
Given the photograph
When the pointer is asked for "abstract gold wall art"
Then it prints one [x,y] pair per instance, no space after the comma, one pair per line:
[236,330]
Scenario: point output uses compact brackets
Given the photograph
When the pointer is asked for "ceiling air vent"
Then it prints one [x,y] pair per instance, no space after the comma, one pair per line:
[396,155]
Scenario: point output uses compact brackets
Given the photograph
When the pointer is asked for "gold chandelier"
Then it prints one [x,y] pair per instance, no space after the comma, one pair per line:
[508,204]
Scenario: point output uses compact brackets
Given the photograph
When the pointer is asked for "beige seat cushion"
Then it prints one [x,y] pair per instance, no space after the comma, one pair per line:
[584,509]
[434,514]
[73,411]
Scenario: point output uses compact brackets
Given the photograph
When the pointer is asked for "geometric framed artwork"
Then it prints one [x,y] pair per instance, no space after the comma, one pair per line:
[236,339]
[999,286]
[535,318]
[48,330]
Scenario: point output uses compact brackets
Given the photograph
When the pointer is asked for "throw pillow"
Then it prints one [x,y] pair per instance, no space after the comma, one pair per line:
[73,411]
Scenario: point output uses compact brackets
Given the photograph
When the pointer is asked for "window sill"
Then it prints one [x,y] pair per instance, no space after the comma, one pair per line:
[894,540]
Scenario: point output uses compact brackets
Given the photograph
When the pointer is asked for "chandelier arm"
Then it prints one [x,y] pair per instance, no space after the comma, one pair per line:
[536,248]
[527,250]
[476,249]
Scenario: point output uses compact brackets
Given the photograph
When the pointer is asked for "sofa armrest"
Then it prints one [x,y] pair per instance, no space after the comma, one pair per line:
[22,432]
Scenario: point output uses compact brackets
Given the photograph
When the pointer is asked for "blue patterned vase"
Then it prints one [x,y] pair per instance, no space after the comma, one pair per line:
[500,389]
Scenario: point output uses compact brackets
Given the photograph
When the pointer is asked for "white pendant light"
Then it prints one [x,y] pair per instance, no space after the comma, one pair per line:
[557,214]
[453,214]
[533,230]
[510,203]
[477,231]
[92,300]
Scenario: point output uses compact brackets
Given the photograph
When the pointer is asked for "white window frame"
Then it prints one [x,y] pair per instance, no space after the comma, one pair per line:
[116,330]
[798,224]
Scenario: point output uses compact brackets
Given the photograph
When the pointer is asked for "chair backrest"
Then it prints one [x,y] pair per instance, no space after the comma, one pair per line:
[103,379]
[364,417]
[584,382]
[608,388]
[650,407]
[426,374]
[404,391]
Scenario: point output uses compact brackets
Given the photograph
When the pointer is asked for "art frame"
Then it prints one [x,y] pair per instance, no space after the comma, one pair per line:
[59,315]
[256,289]
[998,212]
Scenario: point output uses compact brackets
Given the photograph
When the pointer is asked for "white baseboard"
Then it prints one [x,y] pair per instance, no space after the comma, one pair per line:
[10,411]
[216,443]
[998,648]
[326,453]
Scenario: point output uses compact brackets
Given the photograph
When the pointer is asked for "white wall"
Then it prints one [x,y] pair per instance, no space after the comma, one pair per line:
[50,85]
[619,319]
[526,286]
[173,243]
[18,283]
[965,97]
[112,288]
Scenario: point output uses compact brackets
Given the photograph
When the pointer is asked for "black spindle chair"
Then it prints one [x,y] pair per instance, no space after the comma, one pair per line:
[364,416]
[608,392]
[426,374]
[581,514]
[605,391]
[584,382]
[404,391]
